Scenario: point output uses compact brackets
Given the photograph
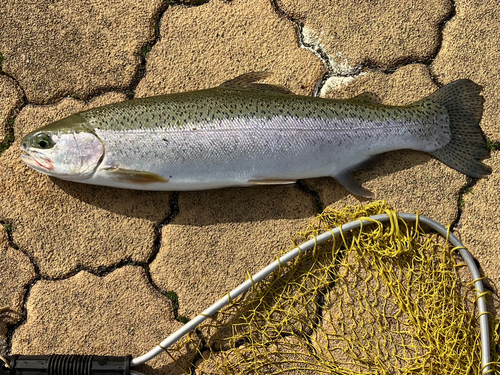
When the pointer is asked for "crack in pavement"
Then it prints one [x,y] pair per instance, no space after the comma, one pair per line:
[189,3]
[138,76]
[145,49]
[11,328]
[174,211]
[368,66]
[442,26]
[320,206]
[100,272]
[470,182]
[456,225]
[467,188]
[24,311]
[13,245]
[11,118]
[319,52]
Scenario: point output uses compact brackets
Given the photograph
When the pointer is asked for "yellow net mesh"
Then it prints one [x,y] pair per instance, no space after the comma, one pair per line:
[384,299]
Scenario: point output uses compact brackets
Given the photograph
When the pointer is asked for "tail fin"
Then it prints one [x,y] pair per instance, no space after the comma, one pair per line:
[467,146]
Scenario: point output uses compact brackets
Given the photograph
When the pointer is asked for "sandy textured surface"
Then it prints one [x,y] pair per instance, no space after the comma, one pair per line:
[88,269]
[354,34]
[199,50]
[222,242]
[86,314]
[56,48]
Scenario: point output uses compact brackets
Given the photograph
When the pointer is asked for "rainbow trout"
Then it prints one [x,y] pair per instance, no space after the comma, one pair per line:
[243,133]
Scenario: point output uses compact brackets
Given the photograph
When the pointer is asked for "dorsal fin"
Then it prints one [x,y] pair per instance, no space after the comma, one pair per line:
[246,81]
[366,97]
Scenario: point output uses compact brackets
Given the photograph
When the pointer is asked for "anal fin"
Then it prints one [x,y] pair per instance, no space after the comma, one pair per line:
[271,181]
[370,162]
[354,187]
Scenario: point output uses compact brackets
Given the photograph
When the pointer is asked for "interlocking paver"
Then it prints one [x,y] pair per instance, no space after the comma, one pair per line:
[383,33]
[207,45]
[56,48]
[224,234]
[119,314]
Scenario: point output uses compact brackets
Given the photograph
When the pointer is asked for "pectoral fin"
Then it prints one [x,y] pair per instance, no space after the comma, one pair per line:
[354,187]
[134,177]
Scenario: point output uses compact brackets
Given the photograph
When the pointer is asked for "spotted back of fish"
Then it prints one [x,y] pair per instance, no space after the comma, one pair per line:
[232,108]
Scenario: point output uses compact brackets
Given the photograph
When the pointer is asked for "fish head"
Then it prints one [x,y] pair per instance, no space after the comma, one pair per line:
[67,149]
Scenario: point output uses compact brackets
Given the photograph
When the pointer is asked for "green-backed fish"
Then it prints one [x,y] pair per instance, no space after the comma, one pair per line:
[243,133]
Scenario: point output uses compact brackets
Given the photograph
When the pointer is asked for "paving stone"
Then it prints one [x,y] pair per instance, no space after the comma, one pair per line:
[119,314]
[407,180]
[16,273]
[206,45]
[471,49]
[56,48]
[66,225]
[479,227]
[383,33]
[218,235]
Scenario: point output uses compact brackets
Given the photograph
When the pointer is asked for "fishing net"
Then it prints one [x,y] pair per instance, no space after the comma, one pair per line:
[384,299]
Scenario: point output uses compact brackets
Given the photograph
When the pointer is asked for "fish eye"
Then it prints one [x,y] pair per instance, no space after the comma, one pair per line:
[43,141]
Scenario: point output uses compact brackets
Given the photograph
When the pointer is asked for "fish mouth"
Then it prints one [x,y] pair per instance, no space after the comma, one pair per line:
[37,161]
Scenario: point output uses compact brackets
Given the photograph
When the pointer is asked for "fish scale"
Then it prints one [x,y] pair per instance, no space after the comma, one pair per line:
[244,133]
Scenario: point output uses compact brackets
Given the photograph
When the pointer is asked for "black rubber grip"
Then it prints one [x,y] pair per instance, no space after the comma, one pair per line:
[65,365]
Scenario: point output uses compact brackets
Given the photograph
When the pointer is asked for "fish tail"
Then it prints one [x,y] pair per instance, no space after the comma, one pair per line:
[467,146]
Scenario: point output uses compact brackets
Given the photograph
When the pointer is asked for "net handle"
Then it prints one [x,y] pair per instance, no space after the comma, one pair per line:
[253,279]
